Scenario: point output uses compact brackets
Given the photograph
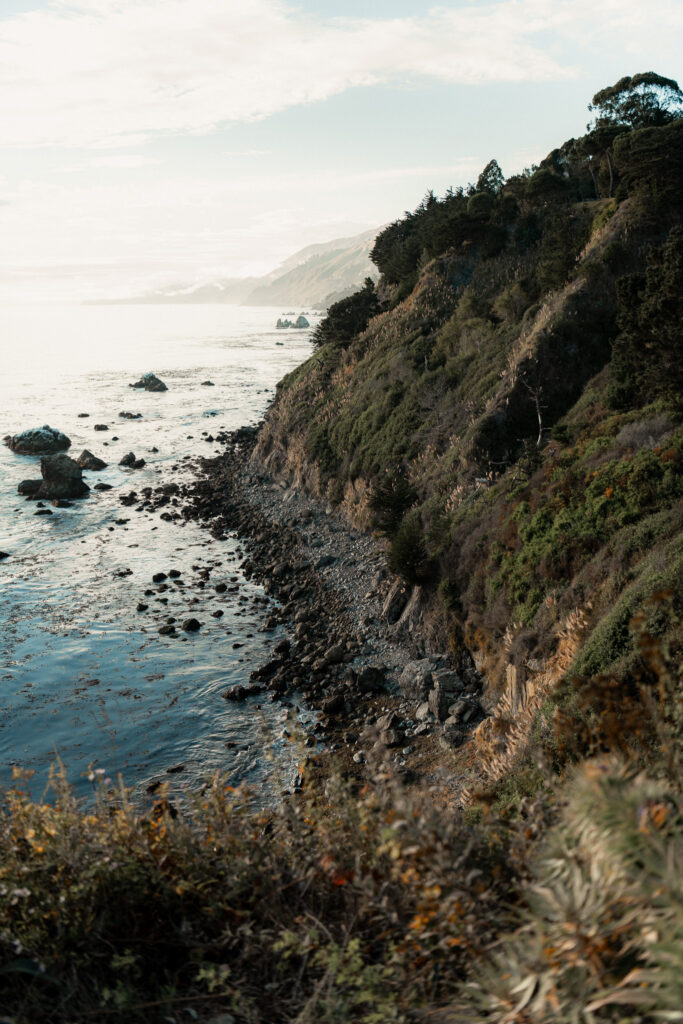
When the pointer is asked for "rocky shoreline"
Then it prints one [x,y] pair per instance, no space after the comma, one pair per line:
[382,700]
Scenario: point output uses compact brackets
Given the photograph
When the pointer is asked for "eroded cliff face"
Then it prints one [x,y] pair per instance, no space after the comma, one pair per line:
[544,515]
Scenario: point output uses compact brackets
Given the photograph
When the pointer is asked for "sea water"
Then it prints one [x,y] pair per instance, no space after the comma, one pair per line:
[83,675]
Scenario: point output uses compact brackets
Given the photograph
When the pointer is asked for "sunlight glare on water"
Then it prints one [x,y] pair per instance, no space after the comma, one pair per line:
[82,673]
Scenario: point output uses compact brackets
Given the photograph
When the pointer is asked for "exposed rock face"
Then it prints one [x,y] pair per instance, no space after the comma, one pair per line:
[149,382]
[62,478]
[86,460]
[38,441]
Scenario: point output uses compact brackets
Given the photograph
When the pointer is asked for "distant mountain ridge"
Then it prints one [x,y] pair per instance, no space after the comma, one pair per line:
[314,276]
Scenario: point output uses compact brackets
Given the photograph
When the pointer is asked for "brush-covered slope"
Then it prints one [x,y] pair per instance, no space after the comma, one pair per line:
[505,404]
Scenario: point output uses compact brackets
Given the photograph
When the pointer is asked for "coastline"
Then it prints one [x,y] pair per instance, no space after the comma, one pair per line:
[346,653]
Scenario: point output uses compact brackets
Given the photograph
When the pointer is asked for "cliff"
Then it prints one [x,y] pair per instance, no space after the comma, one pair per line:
[510,420]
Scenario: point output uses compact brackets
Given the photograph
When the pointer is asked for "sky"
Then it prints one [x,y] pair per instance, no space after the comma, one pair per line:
[161,143]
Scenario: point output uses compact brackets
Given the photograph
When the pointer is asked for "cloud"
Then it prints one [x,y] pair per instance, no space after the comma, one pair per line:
[112,72]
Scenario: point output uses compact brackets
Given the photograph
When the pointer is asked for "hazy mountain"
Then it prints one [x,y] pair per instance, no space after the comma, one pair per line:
[314,276]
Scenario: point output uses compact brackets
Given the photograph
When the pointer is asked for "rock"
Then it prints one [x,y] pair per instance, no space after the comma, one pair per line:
[131,462]
[168,630]
[208,384]
[83,415]
[388,721]
[103,487]
[395,602]
[86,460]
[416,680]
[391,737]
[333,705]
[142,607]
[191,625]
[100,426]
[149,382]
[159,577]
[3,555]
[335,655]
[301,321]
[424,712]
[236,693]
[324,561]
[38,441]
[29,487]
[457,710]
[447,685]
[62,478]
[423,729]
[130,415]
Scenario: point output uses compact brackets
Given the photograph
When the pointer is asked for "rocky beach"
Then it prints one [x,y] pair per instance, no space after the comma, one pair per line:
[354,651]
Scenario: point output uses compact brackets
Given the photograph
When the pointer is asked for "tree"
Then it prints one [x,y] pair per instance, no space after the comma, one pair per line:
[491,179]
[647,358]
[646,100]
[348,317]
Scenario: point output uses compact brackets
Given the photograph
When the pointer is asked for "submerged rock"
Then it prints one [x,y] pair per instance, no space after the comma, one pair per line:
[149,382]
[86,460]
[38,441]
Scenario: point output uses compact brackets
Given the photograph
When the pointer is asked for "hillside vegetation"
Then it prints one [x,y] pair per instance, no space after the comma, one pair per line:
[508,400]
[504,406]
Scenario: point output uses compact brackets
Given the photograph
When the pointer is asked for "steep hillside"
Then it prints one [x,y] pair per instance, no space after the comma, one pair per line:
[508,415]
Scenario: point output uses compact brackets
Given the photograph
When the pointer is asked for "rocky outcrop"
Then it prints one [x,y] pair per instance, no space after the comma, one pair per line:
[86,460]
[301,321]
[62,478]
[38,441]
[149,382]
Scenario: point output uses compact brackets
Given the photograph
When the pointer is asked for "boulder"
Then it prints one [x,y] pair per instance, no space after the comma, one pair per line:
[86,460]
[395,602]
[391,738]
[447,685]
[149,382]
[38,441]
[130,461]
[29,487]
[130,415]
[416,680]
[62,478]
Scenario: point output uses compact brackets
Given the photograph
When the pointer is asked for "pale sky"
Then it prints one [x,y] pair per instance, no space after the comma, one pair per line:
[157,142]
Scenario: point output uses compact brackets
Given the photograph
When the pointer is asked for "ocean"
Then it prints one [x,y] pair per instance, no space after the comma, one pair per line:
[84,677]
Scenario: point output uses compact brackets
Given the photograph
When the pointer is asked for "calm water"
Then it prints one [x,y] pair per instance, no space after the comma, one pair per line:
[82,673]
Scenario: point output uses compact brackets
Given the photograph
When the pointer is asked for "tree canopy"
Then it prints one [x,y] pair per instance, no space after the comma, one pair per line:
[645,100]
